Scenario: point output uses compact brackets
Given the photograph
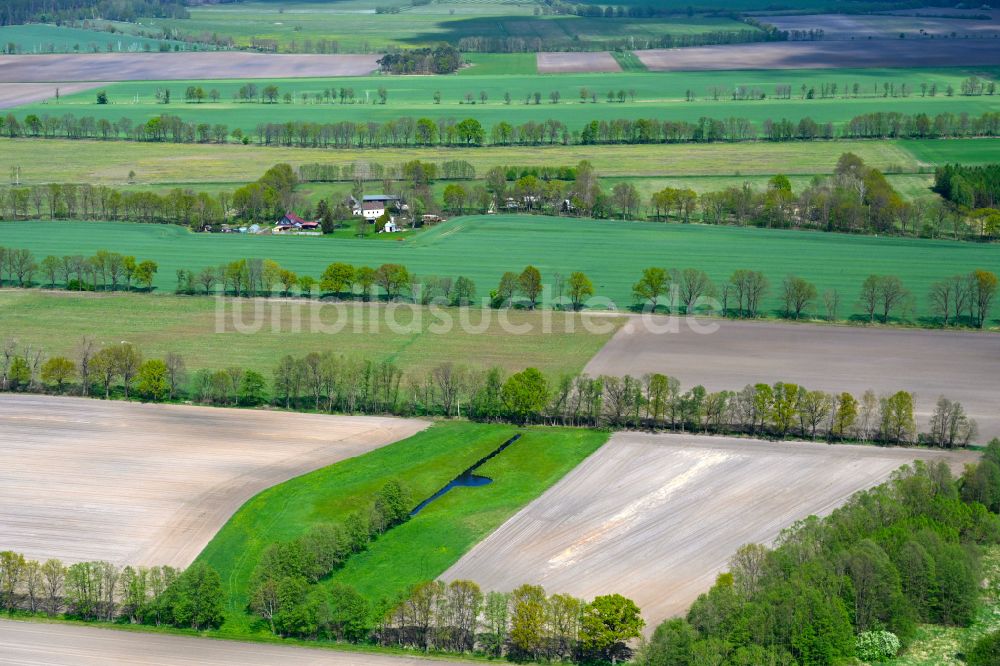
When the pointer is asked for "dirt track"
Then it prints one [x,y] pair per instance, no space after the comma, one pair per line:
[178,66]
[826,54]
[577,62]
[657,517]
[16,94]
[84,479]
[30,644]
[963,366]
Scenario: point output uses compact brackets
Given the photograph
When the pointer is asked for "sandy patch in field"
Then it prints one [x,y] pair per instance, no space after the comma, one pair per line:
[572,63]
[657,517]
[826,54]
[16,94]
[179,66]
[84,479]
[960,365]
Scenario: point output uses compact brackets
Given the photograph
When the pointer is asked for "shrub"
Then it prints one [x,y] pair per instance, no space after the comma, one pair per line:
[877,645]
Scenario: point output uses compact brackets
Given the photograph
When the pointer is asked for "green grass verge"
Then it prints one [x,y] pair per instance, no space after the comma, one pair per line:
[628,61]
[422,548]
[612,253]
[187,325]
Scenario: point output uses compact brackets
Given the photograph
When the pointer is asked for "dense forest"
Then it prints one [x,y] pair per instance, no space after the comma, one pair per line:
[16,12]
[969,186]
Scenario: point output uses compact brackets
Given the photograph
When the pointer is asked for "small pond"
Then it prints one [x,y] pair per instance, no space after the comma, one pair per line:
[467,479]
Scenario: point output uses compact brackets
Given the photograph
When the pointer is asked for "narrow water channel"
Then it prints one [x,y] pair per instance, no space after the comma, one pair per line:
[467,478]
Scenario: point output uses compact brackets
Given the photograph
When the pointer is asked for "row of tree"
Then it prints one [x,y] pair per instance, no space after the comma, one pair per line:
[283,591]
[408,131]
[525,624]
[329,382]
[854,584]
[192,598]
[104,271]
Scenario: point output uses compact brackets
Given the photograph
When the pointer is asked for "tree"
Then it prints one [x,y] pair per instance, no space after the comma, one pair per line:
[626,198]
[797,294]
[984,290]
[336,277]
[950,426]
[653,284]
[153,382]
[392,278]
[251,389]
[580,288]
[506,289]
[896,418]
[527,621]
[525,394]
[176,372]
[692,286]
[529,284]
[609,622]
[844,416]
[58,370]
[145,272]
[455,196]
[343,613]
[196,599]
[102,97]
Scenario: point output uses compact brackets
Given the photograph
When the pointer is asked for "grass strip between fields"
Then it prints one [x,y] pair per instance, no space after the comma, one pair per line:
[422,548]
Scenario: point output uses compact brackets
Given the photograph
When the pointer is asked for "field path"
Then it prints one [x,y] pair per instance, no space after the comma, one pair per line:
[961,365]
[179,66]
[84,479]
[657,517]
[30,644]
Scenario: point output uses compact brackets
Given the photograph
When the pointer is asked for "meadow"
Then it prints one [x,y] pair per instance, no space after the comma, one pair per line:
[612,253]
[412,337]
[356,27]
[421,548]
[659,95]
[109,162]
[44,38]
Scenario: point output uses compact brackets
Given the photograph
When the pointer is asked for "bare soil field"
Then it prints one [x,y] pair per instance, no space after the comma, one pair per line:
[36,644]
[178,66]
[887,26]
[961,365]
[572,63]
[826,54]
[16,94]
[84,479]
[657,517]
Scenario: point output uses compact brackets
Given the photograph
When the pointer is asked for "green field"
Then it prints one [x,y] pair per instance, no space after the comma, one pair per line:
[355,27]
[44,38]
[109,163]
[159,324]
[493,64]
[422,548]
[612,253]
[657,95]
